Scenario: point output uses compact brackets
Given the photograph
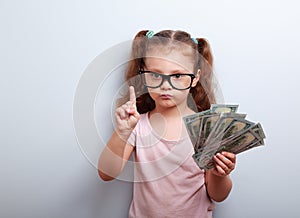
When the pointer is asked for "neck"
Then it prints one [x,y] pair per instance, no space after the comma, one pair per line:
[168,123]
[177,111]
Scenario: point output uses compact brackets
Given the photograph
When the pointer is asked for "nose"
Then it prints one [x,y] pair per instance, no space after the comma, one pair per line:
[166,84]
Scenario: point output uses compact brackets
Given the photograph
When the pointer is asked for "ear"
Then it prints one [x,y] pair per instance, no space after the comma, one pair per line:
[197,78]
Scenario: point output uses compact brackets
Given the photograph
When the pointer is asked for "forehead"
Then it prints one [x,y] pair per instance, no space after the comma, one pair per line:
[169,58]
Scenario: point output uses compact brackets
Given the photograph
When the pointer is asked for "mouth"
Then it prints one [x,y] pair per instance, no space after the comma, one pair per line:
[165,96]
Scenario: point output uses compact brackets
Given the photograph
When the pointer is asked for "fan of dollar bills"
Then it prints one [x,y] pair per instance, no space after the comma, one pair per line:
[221,129]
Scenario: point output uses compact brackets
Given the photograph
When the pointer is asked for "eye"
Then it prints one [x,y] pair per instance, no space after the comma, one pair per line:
[156,75]
[178,76]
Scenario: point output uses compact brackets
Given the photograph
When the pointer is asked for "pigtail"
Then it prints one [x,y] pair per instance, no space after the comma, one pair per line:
[203,93]
[137,54]
[144,102]
[204,50]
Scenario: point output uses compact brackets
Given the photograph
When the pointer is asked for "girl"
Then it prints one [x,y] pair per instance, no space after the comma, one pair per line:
[166,68]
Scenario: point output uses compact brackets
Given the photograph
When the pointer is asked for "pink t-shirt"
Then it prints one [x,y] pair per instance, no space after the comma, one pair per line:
[168,183]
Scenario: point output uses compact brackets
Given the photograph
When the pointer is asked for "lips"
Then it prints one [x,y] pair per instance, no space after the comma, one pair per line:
[165,96]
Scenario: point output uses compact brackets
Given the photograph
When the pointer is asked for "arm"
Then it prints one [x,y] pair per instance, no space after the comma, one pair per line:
[217,180]
[114,157]
[117,151]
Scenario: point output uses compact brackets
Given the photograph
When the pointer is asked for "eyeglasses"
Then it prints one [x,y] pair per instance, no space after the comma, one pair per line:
[179,81]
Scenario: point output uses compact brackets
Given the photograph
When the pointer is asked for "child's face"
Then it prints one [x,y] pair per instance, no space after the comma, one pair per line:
[170,63]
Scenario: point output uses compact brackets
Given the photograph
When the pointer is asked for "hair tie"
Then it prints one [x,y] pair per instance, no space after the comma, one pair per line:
[195,40]
[150,34]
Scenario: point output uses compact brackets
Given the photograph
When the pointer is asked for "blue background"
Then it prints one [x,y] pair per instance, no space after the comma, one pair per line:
[46,46]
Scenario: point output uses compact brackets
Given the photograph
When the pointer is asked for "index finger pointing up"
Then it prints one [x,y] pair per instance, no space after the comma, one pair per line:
[132,97]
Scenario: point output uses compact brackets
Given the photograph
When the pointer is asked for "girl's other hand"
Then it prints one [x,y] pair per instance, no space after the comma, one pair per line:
[225,163]
[127,116]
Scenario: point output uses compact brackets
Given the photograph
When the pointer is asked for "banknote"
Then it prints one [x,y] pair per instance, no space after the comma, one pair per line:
[221,128]
[223,108]
[207,124]
[239,142]
[226,126]
[192,123]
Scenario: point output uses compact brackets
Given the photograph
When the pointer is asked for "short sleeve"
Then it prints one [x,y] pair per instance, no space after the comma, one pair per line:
[132,138]
[141,126]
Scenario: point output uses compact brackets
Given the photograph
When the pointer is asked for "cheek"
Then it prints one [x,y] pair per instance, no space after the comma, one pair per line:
[182,95]
[153,93]
[186,93]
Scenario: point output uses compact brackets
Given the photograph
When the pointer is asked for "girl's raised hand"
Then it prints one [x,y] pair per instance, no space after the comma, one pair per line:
[225,163]
[127,116]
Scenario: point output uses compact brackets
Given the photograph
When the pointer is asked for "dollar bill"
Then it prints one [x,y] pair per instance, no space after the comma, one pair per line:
[211,144]
[192,123]
[195,124]
[205,163]
[252,145]
[192,117]
[205,160]
[241,141]
[226,125]
[259,130]
[221,128]
[223,108]
[237,126]
[207,124]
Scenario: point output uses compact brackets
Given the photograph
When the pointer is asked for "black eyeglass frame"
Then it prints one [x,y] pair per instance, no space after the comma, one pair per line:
[168,78]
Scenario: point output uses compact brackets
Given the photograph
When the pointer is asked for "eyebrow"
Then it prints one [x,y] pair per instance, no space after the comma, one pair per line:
[171,72]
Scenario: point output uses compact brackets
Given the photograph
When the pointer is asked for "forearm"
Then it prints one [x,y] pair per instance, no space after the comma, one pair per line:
[113,157]
[218,187]
[117,151]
